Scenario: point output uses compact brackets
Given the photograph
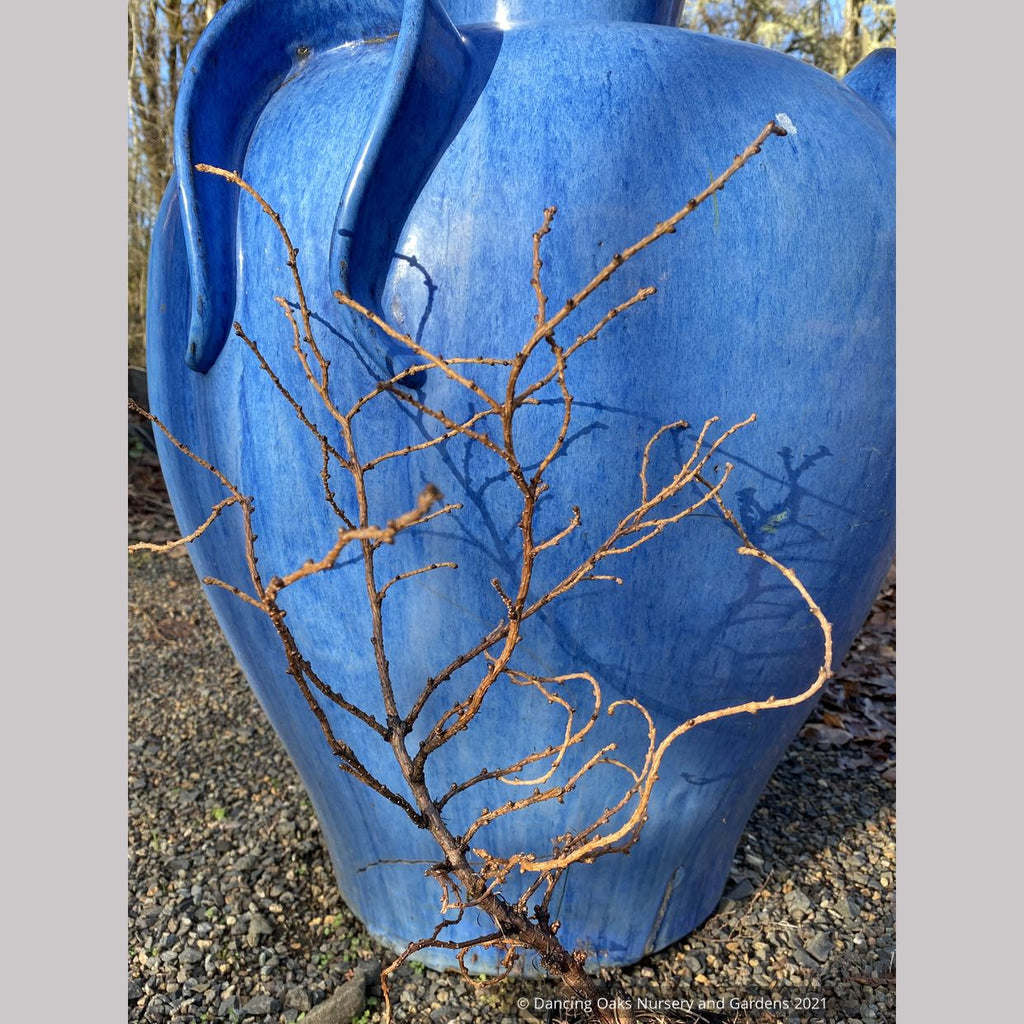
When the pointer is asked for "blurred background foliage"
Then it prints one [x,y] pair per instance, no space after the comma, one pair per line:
[161,34]
[831,34]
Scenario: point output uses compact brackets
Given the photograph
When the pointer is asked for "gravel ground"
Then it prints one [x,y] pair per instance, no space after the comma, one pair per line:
[234,915]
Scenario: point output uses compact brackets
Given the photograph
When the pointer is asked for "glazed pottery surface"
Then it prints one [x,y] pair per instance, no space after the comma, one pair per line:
[411,150]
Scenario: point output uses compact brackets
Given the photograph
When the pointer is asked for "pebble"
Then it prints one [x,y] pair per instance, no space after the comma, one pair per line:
[259,1005]
[798,901]
[819,947]
[740,891]
[348,1002]
[297,999]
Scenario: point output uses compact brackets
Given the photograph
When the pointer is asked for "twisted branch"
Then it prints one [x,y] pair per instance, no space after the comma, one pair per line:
[472,877]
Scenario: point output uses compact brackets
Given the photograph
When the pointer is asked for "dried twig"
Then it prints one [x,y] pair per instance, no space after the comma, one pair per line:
[471,876]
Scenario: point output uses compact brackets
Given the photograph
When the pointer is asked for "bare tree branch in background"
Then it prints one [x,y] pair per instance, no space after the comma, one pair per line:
[829,34]
[161,34]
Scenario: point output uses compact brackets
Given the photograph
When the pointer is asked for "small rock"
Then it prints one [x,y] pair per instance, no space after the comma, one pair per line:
[798,900]
[298,999]
[347,1002]
[819,947]
[259,1005]
[134,991]
[825,736]
[260,925]
[444,1015]
[371,969]
[804,960]
[741,890]
[846,910]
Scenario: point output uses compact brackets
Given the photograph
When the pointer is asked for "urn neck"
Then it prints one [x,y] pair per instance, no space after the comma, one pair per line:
[507,12]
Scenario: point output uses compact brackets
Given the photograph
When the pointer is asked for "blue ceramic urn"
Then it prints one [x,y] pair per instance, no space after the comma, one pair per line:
[410,150]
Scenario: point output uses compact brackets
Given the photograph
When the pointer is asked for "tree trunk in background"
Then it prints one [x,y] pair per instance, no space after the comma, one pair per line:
[830,35]
[161,36]
[852,49]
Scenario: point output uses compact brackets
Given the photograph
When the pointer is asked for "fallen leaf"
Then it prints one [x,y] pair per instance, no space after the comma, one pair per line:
[825,735]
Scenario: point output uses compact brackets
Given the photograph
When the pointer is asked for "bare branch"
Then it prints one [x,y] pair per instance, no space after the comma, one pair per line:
[542,299]
[427,356]
[653,527]
[664,228]
[413,572]
[472,877]
[429,497]
[197,532]
[462,428]
[449,424]
[212,581]
[184,449]
[641,295]
[602,844]
[289,397]
[562,534]
[645,461]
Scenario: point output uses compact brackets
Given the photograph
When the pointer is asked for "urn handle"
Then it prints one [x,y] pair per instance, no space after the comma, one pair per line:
[423,104]
[248,51]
